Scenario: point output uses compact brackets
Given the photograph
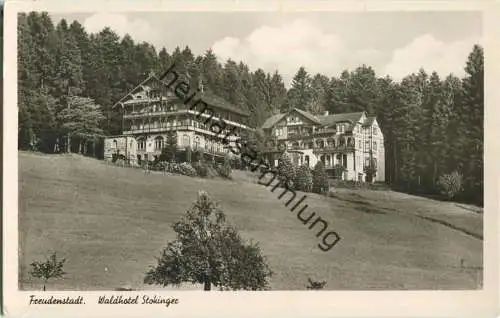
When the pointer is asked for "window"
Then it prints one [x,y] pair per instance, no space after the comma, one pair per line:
[115,144]
[158,143]
[141,144]
[367,145]
[375,130]
[374,145]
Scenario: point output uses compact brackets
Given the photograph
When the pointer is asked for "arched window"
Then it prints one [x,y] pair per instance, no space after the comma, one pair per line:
[141,143]
[159,143]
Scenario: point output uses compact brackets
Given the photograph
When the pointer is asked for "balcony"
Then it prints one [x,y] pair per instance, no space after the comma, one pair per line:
[330,149]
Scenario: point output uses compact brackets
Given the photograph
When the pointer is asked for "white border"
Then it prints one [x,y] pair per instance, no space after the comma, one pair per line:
[482,303]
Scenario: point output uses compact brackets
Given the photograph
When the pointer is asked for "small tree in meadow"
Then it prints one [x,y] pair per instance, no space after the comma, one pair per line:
[451,184]
[286,170]
[303,179]
[320,180]
[51,268]
[209,251]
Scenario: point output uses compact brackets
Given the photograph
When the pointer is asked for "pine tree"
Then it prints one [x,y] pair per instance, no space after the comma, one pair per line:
[472,113]
[300,94]
[286,171]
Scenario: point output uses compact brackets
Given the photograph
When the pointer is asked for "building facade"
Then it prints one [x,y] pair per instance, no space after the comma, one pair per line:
[346,143]
[151,111]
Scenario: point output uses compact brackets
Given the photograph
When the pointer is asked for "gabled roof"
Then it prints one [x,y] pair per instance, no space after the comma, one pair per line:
[307,115]
[273,120]
[208,97]
[343,117]
[152,76]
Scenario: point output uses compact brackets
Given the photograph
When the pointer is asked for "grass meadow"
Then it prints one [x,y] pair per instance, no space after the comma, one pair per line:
[111,223]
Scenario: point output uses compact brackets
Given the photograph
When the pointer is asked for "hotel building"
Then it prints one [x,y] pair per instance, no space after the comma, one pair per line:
[151,111]
[353,141]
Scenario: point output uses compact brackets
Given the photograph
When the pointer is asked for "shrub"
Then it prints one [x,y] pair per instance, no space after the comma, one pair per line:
[187,170]
[286,170]
[371,172]
[201,169]
[315,285]
[225,169]
[450,184]
[303,179]
[198,155]
[320,180]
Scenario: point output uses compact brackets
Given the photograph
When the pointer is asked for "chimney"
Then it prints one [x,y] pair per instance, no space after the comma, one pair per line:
[326,113]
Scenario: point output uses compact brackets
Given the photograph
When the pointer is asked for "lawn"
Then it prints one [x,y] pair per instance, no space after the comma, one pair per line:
[111,223]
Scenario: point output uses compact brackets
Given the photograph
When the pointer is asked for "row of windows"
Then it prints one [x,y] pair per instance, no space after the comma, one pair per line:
[159,143]
[341,128]
[168,107]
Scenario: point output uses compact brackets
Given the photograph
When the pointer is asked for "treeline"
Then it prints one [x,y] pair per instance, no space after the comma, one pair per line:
[431,125]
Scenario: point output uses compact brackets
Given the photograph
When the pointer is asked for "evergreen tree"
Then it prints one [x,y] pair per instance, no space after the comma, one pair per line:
[286,171]
[472,121]
[304,179]
[169,152]
[320,180]
[300,93]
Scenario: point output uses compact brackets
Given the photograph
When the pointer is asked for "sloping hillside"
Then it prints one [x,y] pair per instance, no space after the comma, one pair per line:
[111,223]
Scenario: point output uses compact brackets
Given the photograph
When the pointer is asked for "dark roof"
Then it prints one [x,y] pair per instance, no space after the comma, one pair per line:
[308,115]
[208,97]
[218,102]
[343,117]
[273,120]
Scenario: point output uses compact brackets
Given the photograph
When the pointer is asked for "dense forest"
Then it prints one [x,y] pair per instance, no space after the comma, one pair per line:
[69,79]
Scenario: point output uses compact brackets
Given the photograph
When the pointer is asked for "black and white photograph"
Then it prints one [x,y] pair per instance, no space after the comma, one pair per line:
[247,151]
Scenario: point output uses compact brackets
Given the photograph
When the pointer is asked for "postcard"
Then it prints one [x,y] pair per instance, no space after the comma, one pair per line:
[222,158]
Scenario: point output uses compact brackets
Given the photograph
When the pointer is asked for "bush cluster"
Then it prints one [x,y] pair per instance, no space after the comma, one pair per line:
[450,184]
[286,171]
[201,169]
[225,170]
[304,179]
[187,170]
[320,180]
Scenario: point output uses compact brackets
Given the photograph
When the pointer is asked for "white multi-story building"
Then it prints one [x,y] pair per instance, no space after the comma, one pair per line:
[353,141]
[151,111]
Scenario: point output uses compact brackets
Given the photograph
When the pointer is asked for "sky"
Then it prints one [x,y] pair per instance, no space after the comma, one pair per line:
[393,43]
